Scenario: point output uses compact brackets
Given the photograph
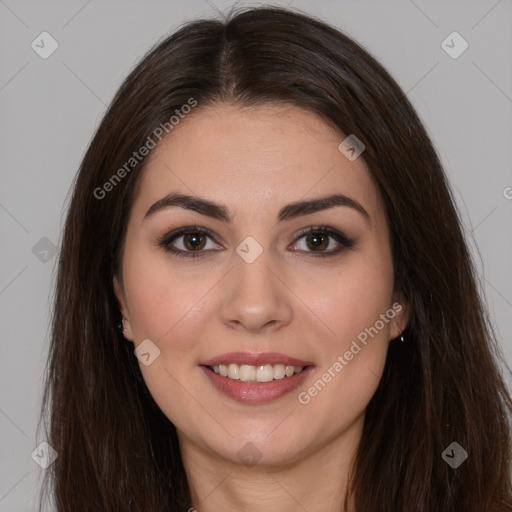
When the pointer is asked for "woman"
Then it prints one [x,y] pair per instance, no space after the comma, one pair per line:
[264,297]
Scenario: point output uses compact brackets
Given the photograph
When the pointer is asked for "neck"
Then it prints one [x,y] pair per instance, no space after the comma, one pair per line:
[317,481]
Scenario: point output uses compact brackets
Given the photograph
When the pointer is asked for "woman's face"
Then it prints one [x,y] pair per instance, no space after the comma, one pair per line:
[260,285]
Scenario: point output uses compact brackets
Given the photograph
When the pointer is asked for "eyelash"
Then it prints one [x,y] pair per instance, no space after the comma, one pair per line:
[342,239]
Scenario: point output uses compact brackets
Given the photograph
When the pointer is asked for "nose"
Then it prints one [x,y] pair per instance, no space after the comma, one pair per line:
[256,295]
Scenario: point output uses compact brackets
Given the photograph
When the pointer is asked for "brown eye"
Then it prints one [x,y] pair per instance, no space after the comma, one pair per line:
[317,241]
[189,242]
[194,241]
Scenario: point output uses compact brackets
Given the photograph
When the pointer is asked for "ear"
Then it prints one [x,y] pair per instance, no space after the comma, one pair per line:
[402,314]
[121,299]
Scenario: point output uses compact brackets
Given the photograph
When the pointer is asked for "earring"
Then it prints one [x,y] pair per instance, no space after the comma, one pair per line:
[401,336]
[120,326]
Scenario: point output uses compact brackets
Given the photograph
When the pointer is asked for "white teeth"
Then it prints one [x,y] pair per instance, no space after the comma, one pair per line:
[247,373]
[262,373]
[279,371]
[265,373]
[233,371]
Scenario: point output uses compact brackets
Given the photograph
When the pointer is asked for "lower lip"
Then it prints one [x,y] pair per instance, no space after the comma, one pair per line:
[256,392]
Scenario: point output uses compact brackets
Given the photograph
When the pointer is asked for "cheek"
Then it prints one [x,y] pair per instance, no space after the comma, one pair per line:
[166,308]
[169,306]
[356,308]
[158,297]
[351,299]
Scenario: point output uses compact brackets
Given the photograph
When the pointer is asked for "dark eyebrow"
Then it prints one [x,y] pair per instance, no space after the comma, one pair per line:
[220,212]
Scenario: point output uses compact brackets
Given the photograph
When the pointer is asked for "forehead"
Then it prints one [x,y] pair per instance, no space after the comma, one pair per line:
[253,159]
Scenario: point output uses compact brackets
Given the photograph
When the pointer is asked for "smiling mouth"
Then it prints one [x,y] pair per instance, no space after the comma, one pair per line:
[260,373]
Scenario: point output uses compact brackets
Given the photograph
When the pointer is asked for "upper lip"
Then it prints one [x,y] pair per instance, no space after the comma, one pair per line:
[255,359]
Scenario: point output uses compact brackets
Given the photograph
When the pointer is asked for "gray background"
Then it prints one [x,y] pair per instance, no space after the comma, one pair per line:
[51,107]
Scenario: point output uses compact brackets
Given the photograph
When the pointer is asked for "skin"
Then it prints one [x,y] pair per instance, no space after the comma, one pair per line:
[255,161]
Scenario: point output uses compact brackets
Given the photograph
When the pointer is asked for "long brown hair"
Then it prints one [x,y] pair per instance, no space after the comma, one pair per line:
[117,451]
